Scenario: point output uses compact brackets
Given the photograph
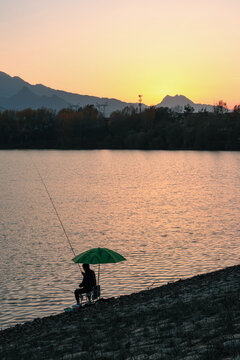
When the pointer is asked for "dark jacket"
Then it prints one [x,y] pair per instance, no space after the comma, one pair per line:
[89,280]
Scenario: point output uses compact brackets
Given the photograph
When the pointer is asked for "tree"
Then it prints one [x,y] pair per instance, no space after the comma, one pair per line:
[188,109]
[236,109]
[221,107]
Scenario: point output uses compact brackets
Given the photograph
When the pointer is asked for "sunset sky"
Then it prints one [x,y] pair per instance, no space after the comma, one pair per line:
[124,48]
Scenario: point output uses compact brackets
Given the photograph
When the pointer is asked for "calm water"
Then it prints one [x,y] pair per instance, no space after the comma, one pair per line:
[171,214]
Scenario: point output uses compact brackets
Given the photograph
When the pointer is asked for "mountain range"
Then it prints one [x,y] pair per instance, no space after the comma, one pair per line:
[17,94]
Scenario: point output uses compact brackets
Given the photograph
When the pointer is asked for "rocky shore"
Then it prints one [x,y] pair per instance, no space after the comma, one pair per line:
[196,318]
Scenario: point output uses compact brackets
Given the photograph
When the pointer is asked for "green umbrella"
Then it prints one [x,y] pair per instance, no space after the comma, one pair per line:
[98,256]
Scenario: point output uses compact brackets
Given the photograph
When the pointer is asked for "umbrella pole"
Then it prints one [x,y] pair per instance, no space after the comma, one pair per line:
[98,273]
[98,280]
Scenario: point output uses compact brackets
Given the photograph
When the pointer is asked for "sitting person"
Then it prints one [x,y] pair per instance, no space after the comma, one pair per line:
[88,283]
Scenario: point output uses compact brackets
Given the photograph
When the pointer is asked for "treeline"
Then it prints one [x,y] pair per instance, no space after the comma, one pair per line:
[153,128]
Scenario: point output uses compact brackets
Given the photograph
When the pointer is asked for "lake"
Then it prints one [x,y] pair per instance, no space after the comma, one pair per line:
[172,214]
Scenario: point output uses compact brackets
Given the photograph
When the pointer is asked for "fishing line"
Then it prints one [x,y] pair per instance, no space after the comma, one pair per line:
[54,207]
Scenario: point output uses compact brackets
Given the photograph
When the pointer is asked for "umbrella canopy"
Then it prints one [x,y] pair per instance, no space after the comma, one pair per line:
[98,256]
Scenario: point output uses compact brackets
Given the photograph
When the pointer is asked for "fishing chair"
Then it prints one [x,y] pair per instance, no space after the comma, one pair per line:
[91,297]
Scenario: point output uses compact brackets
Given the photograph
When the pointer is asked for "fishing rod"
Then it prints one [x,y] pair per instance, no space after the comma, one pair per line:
[54,207]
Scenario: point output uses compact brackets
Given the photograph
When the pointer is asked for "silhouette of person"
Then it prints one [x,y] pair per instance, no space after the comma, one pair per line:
[88,282]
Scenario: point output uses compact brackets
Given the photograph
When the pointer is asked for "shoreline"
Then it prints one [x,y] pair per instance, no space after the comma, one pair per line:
[195,318]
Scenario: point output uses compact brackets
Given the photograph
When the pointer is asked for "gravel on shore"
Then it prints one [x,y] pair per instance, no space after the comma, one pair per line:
[196,318]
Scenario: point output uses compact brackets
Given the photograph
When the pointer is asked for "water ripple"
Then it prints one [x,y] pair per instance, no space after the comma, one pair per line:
[171,214]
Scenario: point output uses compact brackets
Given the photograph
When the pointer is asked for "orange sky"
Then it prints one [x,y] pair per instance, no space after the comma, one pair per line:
[121,49]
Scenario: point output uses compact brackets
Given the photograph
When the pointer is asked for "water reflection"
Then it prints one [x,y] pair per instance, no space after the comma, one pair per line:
[171,214]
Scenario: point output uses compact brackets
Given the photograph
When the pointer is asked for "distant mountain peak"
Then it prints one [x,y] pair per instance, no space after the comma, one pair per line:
[177,100]
[3,75]
[16,78]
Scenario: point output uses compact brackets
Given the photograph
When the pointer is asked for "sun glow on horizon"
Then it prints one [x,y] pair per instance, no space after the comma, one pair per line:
[118,50]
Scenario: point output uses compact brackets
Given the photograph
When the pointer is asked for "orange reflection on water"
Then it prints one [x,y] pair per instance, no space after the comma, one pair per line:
[171,214]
